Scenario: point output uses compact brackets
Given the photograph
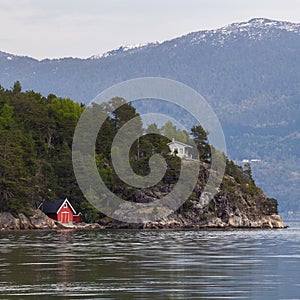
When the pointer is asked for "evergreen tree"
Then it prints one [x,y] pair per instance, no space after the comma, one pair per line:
[17,88]
[201,141]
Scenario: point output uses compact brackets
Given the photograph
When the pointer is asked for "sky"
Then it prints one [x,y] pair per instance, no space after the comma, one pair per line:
[82,28]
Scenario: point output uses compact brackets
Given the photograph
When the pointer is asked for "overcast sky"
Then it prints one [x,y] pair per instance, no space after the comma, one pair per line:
[82,28]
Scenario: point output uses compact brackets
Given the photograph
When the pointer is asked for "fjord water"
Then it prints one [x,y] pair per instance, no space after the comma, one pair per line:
[129,264]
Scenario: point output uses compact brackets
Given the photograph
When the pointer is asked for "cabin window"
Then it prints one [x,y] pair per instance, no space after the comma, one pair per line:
[65,205]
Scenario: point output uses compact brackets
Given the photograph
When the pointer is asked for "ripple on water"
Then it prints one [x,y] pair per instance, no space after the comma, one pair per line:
[120,264]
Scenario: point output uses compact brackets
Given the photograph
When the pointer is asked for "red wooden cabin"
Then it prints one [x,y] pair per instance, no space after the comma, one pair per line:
[60,210]
[77,218]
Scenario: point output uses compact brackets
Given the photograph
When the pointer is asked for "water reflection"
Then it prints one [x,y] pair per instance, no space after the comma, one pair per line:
[150,264]
[66,260]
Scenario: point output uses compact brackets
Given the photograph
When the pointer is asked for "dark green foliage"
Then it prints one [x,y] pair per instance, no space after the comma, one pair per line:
[36,135]
[201,141]
[35,149]
[17,88]
[171,131]
[242,176]
[270,206]
[234,170]
[90,213]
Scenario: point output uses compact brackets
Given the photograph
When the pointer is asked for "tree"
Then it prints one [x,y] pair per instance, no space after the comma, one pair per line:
[152,128]
[247,172]
[201,141]
[171,131]
[14,176]
[17,88]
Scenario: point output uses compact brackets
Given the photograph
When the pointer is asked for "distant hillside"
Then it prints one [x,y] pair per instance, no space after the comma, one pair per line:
[249,72]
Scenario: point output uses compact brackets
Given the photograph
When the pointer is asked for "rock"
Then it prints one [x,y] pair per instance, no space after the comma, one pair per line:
[239,221]
[7,221]
[24,222]
[79,226]
[40,221]
[267,221]
[204,200]
[215,222]
[273,221]
[90,226]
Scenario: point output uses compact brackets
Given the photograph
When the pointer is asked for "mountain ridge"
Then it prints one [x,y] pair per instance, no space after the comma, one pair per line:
[254,23]
[227,30]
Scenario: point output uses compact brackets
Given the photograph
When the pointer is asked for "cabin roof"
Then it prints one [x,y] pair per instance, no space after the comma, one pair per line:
[53,207]
[180,143]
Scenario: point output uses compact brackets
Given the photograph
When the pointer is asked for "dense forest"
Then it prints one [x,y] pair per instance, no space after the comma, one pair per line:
[36,134]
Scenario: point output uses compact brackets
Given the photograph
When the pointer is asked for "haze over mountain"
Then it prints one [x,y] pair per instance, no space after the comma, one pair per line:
[249,72]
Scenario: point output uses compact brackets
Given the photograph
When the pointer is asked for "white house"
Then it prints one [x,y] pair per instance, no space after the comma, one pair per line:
[181,149]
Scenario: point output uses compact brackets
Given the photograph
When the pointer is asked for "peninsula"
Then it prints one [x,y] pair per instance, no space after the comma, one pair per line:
[36,166]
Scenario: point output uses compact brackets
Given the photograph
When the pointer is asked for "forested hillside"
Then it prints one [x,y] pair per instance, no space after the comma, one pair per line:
[35,149]
[36,135]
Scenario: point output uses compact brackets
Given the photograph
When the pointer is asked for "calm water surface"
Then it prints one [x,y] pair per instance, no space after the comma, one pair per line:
[120,264]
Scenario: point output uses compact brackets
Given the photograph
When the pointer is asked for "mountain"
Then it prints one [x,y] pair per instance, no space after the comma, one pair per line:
[249,72]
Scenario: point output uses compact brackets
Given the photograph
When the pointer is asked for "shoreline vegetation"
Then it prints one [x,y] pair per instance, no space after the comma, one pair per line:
[36,165]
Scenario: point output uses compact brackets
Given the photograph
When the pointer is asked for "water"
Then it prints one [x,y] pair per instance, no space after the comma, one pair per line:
[124,264]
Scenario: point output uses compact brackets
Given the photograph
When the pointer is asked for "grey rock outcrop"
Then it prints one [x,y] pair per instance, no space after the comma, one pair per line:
[38,220]
[24,222]
[8,221]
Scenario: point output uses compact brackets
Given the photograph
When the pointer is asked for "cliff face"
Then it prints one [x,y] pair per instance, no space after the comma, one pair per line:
[224,211]
[237,204]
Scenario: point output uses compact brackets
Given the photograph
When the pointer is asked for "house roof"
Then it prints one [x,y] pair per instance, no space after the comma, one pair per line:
[53,207]
[180,143]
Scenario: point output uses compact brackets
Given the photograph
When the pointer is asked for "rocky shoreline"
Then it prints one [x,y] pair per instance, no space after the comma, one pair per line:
[235,222]
[178,222]
[39,221]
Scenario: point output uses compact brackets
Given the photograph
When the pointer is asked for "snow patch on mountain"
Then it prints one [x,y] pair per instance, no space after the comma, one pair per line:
[254,29]
[125,49]
[6,55]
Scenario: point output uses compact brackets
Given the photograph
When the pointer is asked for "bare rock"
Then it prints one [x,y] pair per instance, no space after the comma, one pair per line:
[266,221]
[215,222]
[79,226]
[8,221]
[40,221]
[24,222]
[238,221]
[204,200]
[89,226]
[273,221]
